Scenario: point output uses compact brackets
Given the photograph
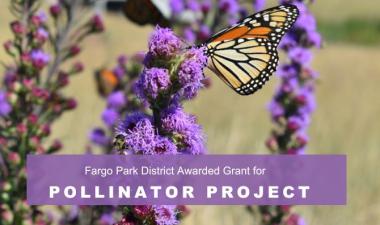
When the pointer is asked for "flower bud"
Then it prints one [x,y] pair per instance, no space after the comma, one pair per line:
[71,104]
[96,23]
[55,10]
[21,128]
[74,50]
[141,211]
[18,28]
[14,158]
[77,68]
[32,119]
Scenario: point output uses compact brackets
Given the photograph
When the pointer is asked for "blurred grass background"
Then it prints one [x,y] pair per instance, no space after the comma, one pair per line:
[346,120]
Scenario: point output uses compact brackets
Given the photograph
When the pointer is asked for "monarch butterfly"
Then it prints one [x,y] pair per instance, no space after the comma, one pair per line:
[145,12]
[106,81]
[244,55]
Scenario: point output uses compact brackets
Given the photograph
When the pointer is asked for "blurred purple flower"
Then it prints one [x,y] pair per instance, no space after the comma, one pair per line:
[204,32]
[110,116]
[189,34]
[106,219]
[229,6]
[116,100]
[5,107]
[259,5]
[177,6]
[300,55]
[98,136]
[193,5]
[41,35]
[39,58]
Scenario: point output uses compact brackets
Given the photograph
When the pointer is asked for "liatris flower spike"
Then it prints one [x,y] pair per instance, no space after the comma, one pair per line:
[171,75]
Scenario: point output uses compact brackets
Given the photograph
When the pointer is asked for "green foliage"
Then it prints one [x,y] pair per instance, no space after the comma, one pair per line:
[357,31]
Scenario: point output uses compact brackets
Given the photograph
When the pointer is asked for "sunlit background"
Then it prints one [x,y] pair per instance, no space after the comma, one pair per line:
[345,122]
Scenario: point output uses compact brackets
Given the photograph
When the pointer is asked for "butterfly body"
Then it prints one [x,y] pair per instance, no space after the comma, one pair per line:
[244,55]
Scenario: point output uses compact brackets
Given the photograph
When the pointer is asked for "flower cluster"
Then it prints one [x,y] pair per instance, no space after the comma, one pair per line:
[197,20]
[156,214]
[31,98]
[171,74]
[293,102]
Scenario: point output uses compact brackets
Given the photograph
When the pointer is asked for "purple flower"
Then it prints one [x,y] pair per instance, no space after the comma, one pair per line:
[314,38]
[185,129]
[176,6]
[152,82]
[42,17]
[189,35]
[41,34]
[286,71]
[55,10]
[96,23]
[190,77]
[229,6]
[204,32]
[119,71]
[198,55]
[206,6]
[193,5]
[276,109]
[107,219]
[295,123]
[98,136]
[110,116]
[5,107]
[116,100]
[39,58]
[131,121]
[259,5]
[306,21]
[300,55]
[141,139]
[164,146]
[122,60]
[165,214]
[287,42]
[163,42]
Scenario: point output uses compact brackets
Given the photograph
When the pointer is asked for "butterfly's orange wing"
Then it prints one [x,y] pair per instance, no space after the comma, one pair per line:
[245,55]
[106,81]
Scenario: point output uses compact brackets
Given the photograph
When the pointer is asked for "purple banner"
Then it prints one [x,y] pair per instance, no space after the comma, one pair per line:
[186,179]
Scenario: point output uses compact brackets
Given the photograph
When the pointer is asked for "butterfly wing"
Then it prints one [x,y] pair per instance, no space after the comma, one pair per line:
[245,55]
[106,82]
[145,12]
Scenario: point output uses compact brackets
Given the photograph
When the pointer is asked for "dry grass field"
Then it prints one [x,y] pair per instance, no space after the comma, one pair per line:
[346,120]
